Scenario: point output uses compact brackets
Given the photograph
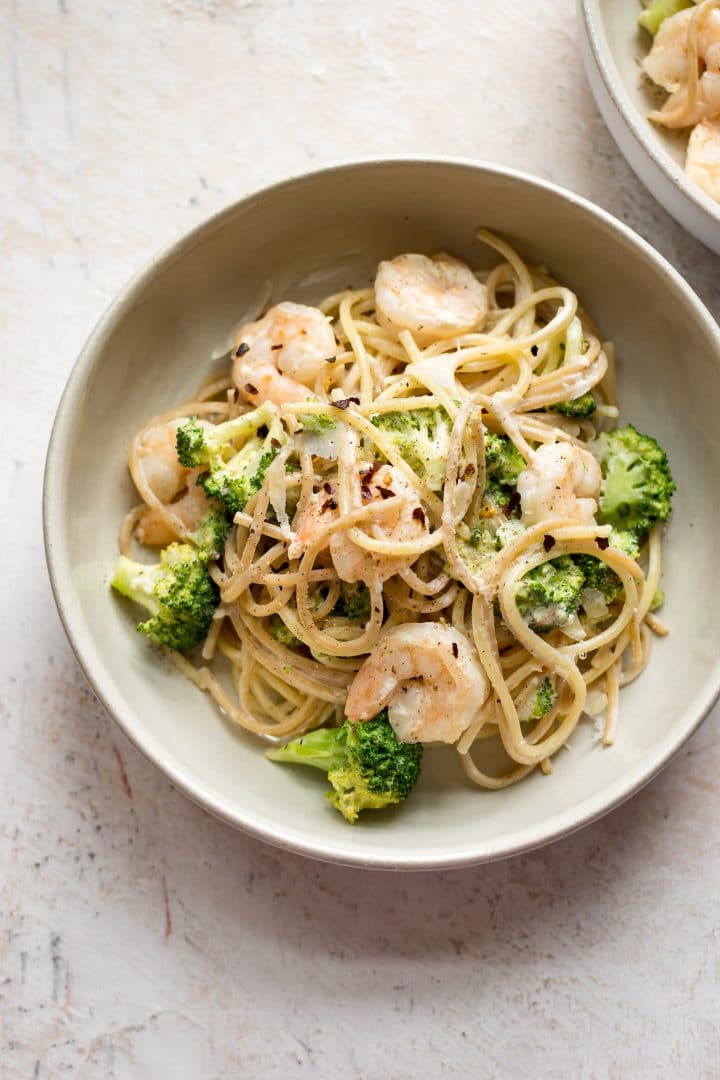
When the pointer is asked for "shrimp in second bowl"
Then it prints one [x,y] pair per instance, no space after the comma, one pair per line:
[667,62]
[429,678]
[563,480]
[280,357]
[703,158]
[434,298]
[668,65]
[170,482]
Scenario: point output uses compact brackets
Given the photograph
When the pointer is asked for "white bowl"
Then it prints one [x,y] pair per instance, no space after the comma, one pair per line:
[612,46]
[303,239]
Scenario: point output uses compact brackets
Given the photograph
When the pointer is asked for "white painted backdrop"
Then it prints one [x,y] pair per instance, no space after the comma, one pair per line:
[138,937]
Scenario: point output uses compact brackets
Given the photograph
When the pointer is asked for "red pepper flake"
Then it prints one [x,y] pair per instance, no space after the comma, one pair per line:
[329,504]
[275,443]
[330,359]
[250,389]
[419,514]
[273,348]
[455,650]
[548,542]
[602,542]
[345,403]
[328,488]
[242,348]
[469,471]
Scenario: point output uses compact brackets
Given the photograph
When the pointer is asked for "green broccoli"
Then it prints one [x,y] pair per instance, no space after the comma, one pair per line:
[209,445]
[503,465]
[367,765]
[598,574]
[234,474]
[178,592]
[282,633]
[316,422]
[353,602]
[210,536]
[422,436]
[579,409]
[549,595]
[541,702]
[658,11]
[637,484]
[658,599]
[235,484]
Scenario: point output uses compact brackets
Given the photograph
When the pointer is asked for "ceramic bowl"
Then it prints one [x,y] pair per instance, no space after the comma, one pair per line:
[303,239]
[612,46]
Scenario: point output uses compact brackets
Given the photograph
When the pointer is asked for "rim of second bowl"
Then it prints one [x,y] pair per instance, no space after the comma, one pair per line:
[103,683]
[639,126]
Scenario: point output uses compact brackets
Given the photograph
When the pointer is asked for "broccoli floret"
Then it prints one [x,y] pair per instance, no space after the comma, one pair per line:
[178,592]
[212,445]
[210,536]
[367,765]
[190,442]
[549,595]
[637,484]
[353,602]
[235,483]
[580,409]
[316,422]
[598,574]
[503,465]
[658,11]
[422,436]
[282,633]
[541,702]
[235,473]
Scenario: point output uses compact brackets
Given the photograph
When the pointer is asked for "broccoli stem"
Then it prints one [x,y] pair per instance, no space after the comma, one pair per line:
[137,581]
[323,749]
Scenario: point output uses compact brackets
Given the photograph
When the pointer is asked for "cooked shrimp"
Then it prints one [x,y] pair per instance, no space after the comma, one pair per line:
[667,62]
[280,357]
[703,158]
[679,111]
[562,481]
[668,65]
[433,298]
[173,484]
[401,519]
[429,678]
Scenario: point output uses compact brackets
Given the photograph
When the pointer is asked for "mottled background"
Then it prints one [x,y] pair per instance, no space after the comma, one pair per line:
[138,937]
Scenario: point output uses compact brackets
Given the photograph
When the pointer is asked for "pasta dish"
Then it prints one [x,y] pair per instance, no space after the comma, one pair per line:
[405,517]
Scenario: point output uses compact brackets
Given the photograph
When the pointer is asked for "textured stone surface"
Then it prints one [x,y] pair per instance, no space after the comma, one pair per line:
[138,937]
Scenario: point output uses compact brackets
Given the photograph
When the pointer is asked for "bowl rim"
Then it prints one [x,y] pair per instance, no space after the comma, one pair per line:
[637,124]
[107,690]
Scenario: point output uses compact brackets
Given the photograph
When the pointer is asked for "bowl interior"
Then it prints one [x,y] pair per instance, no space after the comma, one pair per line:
[302,240]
